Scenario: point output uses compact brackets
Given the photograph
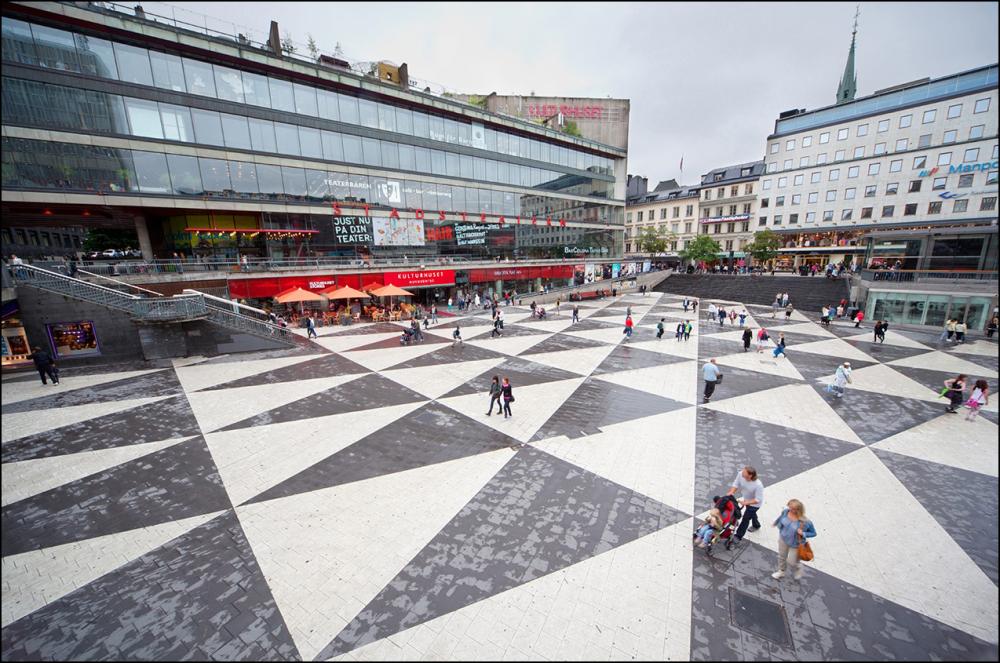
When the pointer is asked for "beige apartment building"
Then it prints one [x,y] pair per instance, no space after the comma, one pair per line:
[727,205]
[669,207]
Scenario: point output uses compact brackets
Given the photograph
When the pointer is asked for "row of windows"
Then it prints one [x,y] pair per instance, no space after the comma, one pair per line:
[57,49]
[733,191]
[678,245]
[971,155]
[965,181]
[929,116]
[986,204]
[976,132]
[25,237]
[66,166]
[675,214]
[73,109]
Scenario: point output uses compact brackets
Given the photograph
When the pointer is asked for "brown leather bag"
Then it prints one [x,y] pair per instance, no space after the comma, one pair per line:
[805,551]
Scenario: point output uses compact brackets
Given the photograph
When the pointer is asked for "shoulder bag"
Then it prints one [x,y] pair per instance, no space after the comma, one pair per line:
[805,550]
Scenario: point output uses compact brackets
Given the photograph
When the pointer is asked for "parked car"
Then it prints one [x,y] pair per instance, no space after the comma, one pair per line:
[111,253]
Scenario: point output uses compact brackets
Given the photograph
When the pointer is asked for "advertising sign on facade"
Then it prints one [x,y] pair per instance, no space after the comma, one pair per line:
[616,269]
[420,278]
[73,339]
[470,234]
[631,269]
[352,230]
[589,274]
[579,274]
[398,232]
[647,265]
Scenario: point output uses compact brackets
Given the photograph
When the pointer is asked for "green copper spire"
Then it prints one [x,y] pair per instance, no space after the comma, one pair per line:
[849,83]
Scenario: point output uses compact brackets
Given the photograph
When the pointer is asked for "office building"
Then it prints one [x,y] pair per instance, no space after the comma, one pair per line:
[727,207]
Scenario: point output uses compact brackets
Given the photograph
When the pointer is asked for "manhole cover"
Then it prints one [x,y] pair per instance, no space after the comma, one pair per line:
[760,617]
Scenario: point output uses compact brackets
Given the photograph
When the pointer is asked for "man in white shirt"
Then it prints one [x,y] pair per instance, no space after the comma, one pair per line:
[751,499]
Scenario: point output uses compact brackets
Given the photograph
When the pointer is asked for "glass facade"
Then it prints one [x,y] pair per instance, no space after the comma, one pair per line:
[916,308]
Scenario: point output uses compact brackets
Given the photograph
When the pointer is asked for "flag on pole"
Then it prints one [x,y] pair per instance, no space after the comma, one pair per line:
[682,163]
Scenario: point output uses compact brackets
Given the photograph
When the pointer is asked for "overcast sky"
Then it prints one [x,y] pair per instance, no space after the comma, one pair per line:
[706,80]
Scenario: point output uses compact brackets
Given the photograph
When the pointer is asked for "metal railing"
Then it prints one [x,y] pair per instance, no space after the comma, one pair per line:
[61,284]
[141,292]
[927,276]
[230,306]
[243,323]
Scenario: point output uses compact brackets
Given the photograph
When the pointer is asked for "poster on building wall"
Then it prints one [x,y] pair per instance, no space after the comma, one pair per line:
[73,339]
[631,269]
[616,270]
[352,230]
[647,265]
[471,234]
[398,232]
[589,275]
[579,274]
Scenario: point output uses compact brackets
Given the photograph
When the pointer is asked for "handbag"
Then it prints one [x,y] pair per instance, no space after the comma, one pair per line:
[805,551]
[718,380]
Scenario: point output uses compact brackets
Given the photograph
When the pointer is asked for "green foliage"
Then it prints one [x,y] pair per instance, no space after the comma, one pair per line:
[312,47]
[764,246]
[476,100]
[287,46]
[98,239]
[654,240]
[702,249]
[572,129]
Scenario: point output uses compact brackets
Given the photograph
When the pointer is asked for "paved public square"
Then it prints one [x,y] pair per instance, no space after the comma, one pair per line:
[355,503]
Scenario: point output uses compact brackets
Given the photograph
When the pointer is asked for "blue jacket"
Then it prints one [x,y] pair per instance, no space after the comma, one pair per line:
[788,529]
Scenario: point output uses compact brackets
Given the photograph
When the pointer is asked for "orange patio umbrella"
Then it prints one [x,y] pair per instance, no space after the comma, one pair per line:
[298,295]
[374,285]
[343,292]
[392,291]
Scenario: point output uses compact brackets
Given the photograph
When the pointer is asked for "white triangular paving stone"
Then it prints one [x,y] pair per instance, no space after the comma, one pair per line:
[338,547]
[251,460]
[21,424]
[675,381]
[532,407]
[881,379]
[761,362]
[376,360]
[848,499]
[556,325]
[611,335]
[189,361]
[834,348]
[26,478]
[202,376]
[942,361]
[79,563]
[634,599]
[344,342]
[218,408]
[810,328]
[795,406]
[669,346]
[736,336]
[981,348]
[582,361]
[14,392]
[966,445]
[652,455]
[890,339]
[434,381]
[510,345]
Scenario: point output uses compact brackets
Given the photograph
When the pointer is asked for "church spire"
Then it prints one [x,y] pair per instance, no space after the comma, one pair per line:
[849,82]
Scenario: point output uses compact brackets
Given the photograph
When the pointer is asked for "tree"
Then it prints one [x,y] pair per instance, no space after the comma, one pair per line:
[312,47]
[702,249]
[287,45]
[98,239]
[573,130]
[338,51]
[654,240]
[764,246]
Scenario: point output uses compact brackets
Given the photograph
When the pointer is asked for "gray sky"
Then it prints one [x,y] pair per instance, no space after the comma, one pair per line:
[706,80]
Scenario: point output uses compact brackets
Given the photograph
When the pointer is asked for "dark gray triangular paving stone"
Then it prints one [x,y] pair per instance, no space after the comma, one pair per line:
[609,313]
[728,442]
[625,358]
[814,366]
[709,347]
[597,403]
[164,420]
[389,343]
[992,363]
[991,416]
[955,497]
[521,372]
[366,393]
[510,330]
[201,596]
[875,416]
[560,342]
[449,355]
[885,352]
[934,380]
[151,385]
[330,365]
[432,434]
[590,324]
[828,619]
[740,382]
[537,515]
[178,482]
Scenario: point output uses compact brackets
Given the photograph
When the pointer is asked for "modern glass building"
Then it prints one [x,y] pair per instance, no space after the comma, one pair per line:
[212,146]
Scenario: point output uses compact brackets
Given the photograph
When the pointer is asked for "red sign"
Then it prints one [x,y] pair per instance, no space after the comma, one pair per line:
[419,278]
[548,110]
[520,273]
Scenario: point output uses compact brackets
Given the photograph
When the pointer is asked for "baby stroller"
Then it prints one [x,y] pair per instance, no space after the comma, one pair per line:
[407,337]
[729,508]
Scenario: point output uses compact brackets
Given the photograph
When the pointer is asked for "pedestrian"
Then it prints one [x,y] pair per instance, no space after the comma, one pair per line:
[722,315]
[508,397]
[784,299]
[762,339]
[980,397]
[747,338]
[456,336]
[793,530]
[991,327]
[775,305]
[732,317]
[687,330]
[751,499]
[955,390]
[496,327]
[712,376]
[628,327]
[310,326]
[883,326]
[858,317]
[824,314]
[434,312]
[694,307]
[44,364]
[534,307]
[558,302]
[659,329]
[840,380]
[478,301]
[949,330]
[788,312]
[960,329]
[679,333]
[713,311]
[779,348]
[417,334]
[685,304]
[576,314]
[743,318]
[495,396]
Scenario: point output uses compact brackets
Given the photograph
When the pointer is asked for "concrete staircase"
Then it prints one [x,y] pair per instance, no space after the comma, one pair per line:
[807,293]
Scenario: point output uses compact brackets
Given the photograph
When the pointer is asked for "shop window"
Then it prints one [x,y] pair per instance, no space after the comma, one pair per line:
[73,339]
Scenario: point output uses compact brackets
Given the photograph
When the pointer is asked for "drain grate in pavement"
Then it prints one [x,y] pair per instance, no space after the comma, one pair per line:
[759,617]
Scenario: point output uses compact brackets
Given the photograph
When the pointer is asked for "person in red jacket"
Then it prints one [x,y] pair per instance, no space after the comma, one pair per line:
[628,327]
[858,318]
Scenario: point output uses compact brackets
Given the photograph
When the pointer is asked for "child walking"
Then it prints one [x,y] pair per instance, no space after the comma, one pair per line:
[980,397]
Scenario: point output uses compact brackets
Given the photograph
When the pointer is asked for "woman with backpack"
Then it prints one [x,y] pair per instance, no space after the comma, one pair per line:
[507,392]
